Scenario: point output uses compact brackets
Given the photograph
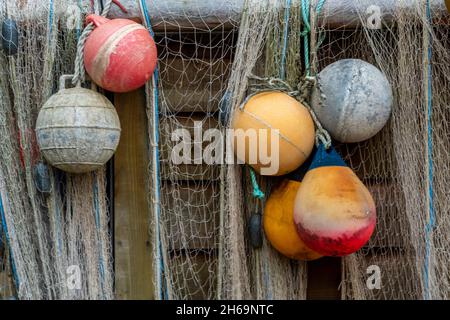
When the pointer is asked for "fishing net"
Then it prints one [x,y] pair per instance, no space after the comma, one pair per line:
[58,239]
[208,57]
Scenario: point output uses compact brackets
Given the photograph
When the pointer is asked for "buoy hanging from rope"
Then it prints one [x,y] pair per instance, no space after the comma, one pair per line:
[10,37]
[352,100]
[255,230]
[279,225]
[334,212]
[78,130]
[119,55]
[261,114]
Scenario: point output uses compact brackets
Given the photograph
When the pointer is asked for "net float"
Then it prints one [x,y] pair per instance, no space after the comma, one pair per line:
[334,212]
[264,118]
[353,100]
[120,55]
[279,225]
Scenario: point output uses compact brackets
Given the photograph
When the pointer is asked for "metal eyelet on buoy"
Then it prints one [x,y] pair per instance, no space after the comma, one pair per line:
[10,37]
[255,230]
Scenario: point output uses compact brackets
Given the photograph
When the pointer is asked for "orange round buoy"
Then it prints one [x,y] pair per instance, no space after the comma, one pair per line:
[279,224]
[263,113]
[334,212]
[120,55]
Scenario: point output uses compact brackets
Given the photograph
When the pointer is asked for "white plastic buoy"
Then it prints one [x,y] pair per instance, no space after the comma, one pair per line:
[353,100]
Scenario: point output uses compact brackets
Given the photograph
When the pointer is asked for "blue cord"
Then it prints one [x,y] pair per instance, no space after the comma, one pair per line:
[431,222]
[8,242]
[163,293]
[50,19]
[97,225]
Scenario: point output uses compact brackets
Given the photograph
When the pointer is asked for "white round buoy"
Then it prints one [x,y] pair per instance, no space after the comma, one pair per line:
[78,130]
[353,100]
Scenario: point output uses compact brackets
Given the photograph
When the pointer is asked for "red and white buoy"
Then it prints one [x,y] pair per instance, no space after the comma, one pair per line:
[120,55]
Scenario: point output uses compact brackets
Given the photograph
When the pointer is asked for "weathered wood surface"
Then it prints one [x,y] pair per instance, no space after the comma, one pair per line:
[207,14]
[133,247]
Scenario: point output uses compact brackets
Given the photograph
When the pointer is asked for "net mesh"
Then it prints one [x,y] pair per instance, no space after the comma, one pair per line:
[59,240]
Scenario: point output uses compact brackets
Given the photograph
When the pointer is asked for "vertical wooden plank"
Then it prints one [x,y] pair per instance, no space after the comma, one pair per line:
[133,252]
[324,278]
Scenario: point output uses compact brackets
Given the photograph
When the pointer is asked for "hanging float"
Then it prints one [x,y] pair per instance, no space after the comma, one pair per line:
[78,130]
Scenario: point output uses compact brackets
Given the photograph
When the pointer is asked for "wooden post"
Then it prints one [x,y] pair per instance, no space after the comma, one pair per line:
[133,248]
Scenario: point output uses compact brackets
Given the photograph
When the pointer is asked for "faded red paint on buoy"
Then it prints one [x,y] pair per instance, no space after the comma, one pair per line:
[334,212]
[120,55]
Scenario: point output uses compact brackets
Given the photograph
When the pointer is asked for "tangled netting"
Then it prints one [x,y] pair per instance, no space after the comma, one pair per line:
[199,212]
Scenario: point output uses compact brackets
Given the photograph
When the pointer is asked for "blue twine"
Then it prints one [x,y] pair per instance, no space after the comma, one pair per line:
[8,242]
[162,294]
[97,225]
[431,222]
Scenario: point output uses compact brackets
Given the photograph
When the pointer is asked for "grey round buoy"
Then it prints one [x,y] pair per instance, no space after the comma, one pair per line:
[42,178]
[353,100]
[78,130]
[10,37]
[255,231]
